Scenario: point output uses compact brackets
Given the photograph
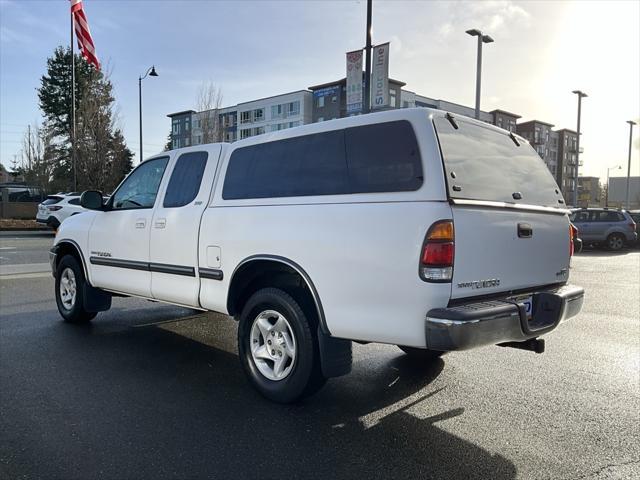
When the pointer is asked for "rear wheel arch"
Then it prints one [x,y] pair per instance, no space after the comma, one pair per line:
[260,271]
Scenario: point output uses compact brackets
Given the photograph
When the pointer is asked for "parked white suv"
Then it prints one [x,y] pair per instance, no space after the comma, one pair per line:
[409,227]
[56,208]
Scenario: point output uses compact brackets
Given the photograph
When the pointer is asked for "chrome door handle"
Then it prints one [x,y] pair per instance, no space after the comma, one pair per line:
[160,223]
[141,223]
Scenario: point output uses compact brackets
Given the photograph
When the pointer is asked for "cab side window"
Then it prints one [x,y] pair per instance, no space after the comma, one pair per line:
[140,188]
[185,180]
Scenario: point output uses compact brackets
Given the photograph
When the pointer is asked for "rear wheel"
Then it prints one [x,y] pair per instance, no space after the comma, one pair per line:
[615,241]
[69,291]
[277,347]
[421,354]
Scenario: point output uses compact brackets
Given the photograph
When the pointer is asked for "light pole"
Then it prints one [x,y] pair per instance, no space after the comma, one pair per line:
[575,188]
[151,71]
[481,39]
[626,201]
[619,167]
[367,62]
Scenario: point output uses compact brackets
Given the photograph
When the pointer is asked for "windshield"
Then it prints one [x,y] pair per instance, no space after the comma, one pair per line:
[484,164]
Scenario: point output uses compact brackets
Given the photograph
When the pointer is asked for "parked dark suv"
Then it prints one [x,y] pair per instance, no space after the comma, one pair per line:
[605,226]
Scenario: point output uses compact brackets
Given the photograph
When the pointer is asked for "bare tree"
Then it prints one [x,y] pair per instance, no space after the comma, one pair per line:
[38,162]
[208,103]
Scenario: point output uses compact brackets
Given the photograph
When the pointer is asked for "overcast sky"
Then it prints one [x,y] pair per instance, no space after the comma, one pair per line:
[542,51]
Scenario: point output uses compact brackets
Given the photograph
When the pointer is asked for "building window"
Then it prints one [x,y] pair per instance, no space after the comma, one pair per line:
[245,117]
[276,111]
[334,99]
[199,139]
[293,108]
[245,133]
[198,123]
[500,122]
[320,102]
[258,115]
[392,97]
[259,130]
[187,141]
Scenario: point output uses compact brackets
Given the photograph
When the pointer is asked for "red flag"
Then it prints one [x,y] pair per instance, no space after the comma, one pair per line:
[81,26]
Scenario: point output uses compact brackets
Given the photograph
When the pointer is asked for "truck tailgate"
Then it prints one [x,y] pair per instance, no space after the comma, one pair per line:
[503,249]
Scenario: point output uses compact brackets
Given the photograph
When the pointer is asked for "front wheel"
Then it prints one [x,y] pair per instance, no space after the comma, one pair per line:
[277,347]
[70,285]
[615,242]
[421,354]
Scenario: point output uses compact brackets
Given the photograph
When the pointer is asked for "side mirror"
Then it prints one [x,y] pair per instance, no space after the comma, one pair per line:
[92,200]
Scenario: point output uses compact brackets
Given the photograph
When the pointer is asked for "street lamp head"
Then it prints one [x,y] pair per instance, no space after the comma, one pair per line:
[580,93]
[631,122]
[153,73]
[474,32]
[487,39]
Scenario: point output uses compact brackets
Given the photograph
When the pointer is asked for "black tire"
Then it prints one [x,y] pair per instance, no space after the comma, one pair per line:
[421,354]
[305,376]
[74,313]
[615,242]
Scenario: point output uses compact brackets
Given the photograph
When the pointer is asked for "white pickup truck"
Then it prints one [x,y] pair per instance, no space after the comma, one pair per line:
[413,227]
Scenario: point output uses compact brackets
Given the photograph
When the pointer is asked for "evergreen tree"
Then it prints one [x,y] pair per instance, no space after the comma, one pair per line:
[102,157]
[169,145]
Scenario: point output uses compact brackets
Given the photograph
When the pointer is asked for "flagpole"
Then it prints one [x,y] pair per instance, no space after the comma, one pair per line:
[73,109]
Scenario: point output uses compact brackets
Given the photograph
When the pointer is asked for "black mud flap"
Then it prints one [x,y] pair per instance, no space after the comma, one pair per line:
[96,300]
[335,355]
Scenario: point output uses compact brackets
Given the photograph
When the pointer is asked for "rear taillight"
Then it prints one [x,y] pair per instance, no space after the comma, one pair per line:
[632,226]
[573,234]
[54,208]
[438,252]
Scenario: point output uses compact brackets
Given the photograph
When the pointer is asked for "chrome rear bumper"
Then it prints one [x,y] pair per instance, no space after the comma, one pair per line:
[502,320]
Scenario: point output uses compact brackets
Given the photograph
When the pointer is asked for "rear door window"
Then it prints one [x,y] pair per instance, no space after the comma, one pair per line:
[482,163]
[185,180]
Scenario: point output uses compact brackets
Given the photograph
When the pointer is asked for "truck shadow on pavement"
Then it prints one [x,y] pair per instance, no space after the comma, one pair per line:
[170,400]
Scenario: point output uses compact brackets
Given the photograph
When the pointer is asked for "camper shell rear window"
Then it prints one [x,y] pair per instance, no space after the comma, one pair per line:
[483,163]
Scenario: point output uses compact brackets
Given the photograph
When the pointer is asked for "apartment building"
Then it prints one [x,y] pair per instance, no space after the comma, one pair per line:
[244,120]
[567,161]
[274,113]
[504,119]
[330,99]
[542,138]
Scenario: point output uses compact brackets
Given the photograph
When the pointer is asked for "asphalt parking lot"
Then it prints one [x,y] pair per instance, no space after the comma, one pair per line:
[154,391]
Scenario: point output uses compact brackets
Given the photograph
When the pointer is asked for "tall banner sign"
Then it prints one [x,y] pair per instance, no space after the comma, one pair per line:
[354,82]
[380,76]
